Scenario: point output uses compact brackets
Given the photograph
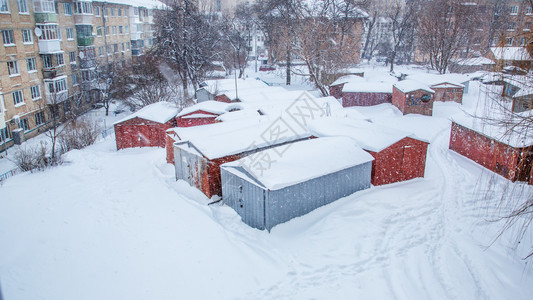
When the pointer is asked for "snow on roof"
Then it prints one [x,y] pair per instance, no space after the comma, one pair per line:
[369,136]
[511,53]
[227,86]
[513,136]
[186,133]
[300,162]
[475,61]
[348,78]
[266,93]
[245,139]
[407,86]
[238,115]
[214,107]
[368,87]
[160,112]
[151,4]
[438,79]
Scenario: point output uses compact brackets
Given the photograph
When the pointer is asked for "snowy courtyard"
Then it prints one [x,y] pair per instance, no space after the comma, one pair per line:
[116,225]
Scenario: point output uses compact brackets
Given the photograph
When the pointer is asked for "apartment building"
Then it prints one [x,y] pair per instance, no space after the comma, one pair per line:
[517,30]
[52,51]
[21,78]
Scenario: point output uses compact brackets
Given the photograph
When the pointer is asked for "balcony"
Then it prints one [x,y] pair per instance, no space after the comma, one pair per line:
[50,73]
[56,98]
[49,46]
[89,85]
[136,35]
[83,18]
[47,17]
[87,63]
[136,52]
[85,40]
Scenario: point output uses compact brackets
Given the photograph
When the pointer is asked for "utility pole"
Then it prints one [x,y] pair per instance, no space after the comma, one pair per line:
[255,46]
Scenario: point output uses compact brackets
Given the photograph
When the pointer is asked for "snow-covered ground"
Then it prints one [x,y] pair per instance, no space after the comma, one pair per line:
[116,225]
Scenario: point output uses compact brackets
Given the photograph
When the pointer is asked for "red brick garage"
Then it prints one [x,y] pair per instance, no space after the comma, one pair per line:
[493,149]
[398,155]
[146,127]
[412,97]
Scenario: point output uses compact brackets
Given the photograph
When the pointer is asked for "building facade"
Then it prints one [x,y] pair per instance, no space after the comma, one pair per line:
[52,52]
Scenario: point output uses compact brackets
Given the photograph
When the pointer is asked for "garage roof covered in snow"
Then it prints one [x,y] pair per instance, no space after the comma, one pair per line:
[367,87]
[369,136]
[214,107]
[300,162]
[407,86]
[510,53]
[160,112]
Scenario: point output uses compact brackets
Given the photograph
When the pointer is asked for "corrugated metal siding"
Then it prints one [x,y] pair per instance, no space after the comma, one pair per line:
[293,201]
[297,200]
[245,198]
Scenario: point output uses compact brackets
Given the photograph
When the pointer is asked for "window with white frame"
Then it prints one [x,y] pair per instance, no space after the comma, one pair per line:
[121,29]
[3,6]
[27,36]
[72,57]
[24,124]
[514,10]
[97,11]
[528,10]
[112,11]
[136,11]
[32,64]
[126,28]
[115,48]
[49,32]
[18,97]
[99,31]
[114,30]
[120,12]
[75,80]
[101,51]
[128,46]
[60,59]
[8,37]
[508,41]
[70,33]
[13,68]
[85,8]
[44,6]
[57,86]
[47,61]
[39,118]
[67,8]
[35,92]
[107,30]
[23,6]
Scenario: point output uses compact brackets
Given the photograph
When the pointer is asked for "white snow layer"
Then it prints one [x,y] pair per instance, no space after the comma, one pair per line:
[407,86]
[294,163]
[214,107]
[160,112]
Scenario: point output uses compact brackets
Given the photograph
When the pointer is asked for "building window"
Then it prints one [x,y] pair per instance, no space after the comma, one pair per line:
[49,32]
[44,6]
[511,26]
[35,92]
[60,59]
[18,98]
[3,6]
[13,68]
[72,57]
[27,36]
[127,28]
[75,80]
[70,33]
[32,65]
[99,31]
[23,6]
[122,47]
[114,30]
[528,10]
[108,49]
[120,12]
[112,11]
[57,86]
[24,124]
[85,8]
[47,61]
[4,134]
[128,46]
[136,11]
[523,42]
[67,8]
[527,26]
[139,27]
[121,29]
[97,11]
[101,51]
[508,41]
[9,38]
[39,118]
[107,30]
[115,47]
[105,11]
[514,10]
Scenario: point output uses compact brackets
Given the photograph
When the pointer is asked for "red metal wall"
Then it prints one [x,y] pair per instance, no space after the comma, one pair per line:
[411,104]
[365,99]
[336,90]
[139,132]
[222,98]
[189,122]
[449,94]
[493,155]
[401,161]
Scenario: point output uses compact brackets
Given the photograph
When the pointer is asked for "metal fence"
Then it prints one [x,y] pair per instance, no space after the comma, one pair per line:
[8,174]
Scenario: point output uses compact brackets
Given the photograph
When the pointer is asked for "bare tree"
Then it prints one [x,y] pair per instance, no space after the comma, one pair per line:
[237,32]
[187,40]
[445,27]
[403,23]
